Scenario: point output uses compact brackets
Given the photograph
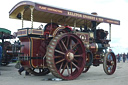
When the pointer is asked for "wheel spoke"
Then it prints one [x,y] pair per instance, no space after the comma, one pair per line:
[61,66]
[109,58]
[60,61]
[60,46]
[71,67]
[76,50]
[75,65]
[58,56]
[68,71]
[64,67]
[75,45]
[60,52]
[78,55]
[75,60]
[64,45]
[70,44]
[109,69]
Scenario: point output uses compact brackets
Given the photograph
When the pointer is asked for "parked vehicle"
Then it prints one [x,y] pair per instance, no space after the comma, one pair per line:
[68,44]
[6,47]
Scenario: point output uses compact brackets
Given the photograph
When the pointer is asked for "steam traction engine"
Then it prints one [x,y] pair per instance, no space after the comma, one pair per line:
[7,52]
[68,44]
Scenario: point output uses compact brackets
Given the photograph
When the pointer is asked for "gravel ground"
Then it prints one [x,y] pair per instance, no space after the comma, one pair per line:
[95,76]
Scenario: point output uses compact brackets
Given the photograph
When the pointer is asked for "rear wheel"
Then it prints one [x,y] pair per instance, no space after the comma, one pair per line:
[65,56]
[38,72]
[109,63]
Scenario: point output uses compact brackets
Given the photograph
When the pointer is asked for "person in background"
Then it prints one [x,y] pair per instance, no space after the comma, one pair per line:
[118,58]
[124,57]
[127,57]
[121,57]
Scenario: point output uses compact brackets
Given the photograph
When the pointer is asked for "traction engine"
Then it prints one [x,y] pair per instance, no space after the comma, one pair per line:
[68,44]
[62,51]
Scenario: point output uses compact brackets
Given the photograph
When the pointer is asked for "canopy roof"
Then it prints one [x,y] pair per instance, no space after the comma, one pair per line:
[46,14]
[5,33]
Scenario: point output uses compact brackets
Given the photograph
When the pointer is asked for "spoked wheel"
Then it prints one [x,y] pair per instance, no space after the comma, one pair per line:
[39,71]
[65,56]
[109,63]
[89,60]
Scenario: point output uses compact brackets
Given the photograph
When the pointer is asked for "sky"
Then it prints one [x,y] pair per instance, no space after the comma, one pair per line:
[115,9]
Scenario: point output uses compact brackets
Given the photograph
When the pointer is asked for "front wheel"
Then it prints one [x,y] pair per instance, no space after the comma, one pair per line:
[109,63]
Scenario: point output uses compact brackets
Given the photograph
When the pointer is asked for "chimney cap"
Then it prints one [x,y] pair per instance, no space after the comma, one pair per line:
[94,13]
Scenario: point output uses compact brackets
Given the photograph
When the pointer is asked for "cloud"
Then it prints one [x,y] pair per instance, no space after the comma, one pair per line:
[107,8]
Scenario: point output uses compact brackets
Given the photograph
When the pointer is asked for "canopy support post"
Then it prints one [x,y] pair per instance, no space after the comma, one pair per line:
[22,18]
[110,32]
[32,8]
[74,25]
[93,25]
[51,23]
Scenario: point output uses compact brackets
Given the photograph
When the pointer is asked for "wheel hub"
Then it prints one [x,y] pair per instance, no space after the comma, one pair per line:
[112,63]
[70,56]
